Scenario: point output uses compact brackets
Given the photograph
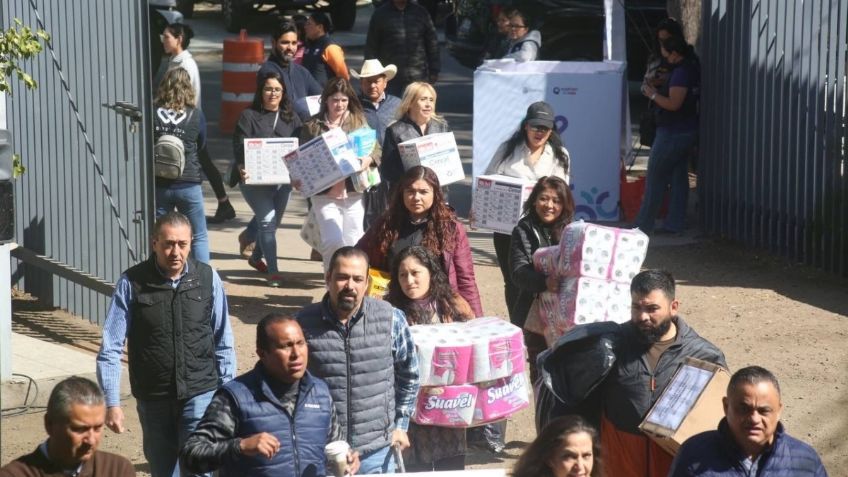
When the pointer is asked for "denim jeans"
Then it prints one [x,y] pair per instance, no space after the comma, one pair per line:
[667,164]
[189,202]
[165,426]
[380,461]
[268,203]
[340,222]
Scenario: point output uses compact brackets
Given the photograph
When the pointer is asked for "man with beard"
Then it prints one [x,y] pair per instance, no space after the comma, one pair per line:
[76,414]
[363,349]
[650,348]
[299,83]
[750,440]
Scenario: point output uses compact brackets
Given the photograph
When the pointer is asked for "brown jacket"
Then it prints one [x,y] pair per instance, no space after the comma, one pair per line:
[36,464]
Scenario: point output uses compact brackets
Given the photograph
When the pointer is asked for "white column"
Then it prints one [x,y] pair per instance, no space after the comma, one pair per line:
[5,312]
[2,110]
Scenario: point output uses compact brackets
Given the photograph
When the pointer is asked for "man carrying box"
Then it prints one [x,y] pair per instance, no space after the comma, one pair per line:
[750,440]
[650,348]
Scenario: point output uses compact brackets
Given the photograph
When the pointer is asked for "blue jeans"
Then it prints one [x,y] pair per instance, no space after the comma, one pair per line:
[268,203]
[667,164]
[165,426]
[189,202]
[380,461]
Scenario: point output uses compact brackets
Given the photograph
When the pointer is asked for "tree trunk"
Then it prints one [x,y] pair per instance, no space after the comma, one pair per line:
[688,13]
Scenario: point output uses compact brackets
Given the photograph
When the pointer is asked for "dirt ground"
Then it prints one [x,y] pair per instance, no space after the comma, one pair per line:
[758,309]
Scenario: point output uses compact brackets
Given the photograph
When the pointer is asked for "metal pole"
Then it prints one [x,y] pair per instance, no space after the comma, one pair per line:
[5,313]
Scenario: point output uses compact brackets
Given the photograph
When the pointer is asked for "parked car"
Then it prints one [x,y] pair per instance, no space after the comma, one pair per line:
[572,30]
[236,13]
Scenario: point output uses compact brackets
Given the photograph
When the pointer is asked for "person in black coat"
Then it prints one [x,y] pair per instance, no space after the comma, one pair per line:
[402,33]
[548,209]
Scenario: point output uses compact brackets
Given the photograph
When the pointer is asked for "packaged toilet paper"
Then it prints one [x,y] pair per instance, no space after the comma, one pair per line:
[444,354]
[605,253]
[484,349]
[446,406]
[498,349]
[546,260]
[502,398]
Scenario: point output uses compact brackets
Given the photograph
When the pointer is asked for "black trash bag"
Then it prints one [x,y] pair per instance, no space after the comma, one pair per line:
[579,362]
[548,407]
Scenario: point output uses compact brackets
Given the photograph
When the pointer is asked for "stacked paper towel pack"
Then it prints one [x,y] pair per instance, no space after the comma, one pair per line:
[595,265]
[471,373]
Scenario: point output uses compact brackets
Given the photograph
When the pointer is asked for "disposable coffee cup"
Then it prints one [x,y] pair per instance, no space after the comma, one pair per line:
[336,452]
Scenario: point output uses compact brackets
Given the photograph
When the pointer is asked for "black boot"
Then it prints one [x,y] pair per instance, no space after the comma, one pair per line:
[224,213]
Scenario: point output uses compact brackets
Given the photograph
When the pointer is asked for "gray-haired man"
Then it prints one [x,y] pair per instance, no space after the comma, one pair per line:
[74,421]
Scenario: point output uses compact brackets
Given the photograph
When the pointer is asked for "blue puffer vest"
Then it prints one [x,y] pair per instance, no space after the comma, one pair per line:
[357,363]
[302,436]
[715,454]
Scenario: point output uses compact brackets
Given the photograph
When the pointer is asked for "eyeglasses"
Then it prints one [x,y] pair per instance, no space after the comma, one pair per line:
[517,27]
[540,129]
[270,90]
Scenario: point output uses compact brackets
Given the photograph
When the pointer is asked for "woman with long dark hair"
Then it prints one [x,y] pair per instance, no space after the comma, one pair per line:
[420,288]
[534,150]
[677,105]
[270,115]
[418,215]
[549,207]
[339,210]
[567,447]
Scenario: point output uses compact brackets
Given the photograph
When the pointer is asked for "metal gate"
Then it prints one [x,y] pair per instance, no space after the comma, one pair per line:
[85,203]
[773,135]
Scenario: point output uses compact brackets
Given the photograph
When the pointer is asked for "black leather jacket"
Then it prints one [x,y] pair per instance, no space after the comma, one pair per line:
[527,237]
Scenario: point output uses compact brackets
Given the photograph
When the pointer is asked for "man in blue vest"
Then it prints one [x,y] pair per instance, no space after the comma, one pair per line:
[750,440]
[363,348]
[171,310]
[273,420]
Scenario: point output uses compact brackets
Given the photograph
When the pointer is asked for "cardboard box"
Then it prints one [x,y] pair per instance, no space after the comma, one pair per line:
[436,151]
[263,159]
[498,201]
[322,162]
[363,141]
[689,405]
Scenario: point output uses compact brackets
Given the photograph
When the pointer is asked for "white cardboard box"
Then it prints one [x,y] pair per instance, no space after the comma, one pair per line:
[436,151]
[498,201]
[263,160]
[322,162]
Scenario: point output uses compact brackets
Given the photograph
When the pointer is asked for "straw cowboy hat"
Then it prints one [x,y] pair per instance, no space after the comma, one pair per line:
[375,68]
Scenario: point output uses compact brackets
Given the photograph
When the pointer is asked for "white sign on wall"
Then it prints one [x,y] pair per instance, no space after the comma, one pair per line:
[589,101]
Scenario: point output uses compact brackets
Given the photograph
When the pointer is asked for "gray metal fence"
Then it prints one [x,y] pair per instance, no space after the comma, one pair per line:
[773,134]
[84,205]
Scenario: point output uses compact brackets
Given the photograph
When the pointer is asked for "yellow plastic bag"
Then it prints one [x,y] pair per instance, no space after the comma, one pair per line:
[379,285]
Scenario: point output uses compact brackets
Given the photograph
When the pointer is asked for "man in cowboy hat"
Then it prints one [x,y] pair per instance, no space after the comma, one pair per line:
[380,107]
[380,110]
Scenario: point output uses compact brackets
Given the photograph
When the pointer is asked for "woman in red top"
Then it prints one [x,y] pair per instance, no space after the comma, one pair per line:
[418,215]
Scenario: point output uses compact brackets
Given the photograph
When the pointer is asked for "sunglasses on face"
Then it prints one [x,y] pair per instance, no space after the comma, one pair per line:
[540,129]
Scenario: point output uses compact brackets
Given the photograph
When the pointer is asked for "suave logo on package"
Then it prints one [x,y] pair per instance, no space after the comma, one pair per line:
[500,392]
[459,402]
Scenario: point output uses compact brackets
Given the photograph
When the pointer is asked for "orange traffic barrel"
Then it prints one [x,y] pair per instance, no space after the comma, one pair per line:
[242,58]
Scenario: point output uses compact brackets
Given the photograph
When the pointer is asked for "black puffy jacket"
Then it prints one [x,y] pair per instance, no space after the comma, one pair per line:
[405,38]
[631,389]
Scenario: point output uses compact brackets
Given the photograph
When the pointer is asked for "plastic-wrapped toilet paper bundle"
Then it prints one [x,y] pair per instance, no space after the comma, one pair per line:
[443,357]
[618,303]
[583,300]
[501,398]
[607,253]
[548,307]
[446,406]
[498,349]
[546,260]
[586,250]
[478,350]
